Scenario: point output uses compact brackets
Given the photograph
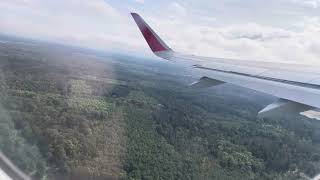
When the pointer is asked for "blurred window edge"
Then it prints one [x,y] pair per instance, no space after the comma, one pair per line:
[8,171]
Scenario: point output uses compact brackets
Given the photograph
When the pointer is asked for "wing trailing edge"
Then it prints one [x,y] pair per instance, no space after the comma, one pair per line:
[283,107]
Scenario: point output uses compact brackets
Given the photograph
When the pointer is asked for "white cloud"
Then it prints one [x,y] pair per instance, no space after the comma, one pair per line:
[244,41]
[96,23]
[93,23]
[139,1]
[176,9]
[308,3]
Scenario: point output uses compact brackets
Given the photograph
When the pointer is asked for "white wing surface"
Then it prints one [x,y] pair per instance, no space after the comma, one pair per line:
[296,85]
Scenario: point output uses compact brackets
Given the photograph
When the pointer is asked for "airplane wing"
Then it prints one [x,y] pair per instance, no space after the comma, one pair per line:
[297,86]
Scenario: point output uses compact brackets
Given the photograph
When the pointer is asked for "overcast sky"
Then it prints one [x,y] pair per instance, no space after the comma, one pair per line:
[286,30]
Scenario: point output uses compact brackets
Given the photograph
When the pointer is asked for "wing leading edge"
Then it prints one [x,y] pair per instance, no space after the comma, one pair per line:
[297,86]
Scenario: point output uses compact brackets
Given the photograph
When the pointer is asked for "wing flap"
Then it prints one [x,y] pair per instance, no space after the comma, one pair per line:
[283,107]
[205,82]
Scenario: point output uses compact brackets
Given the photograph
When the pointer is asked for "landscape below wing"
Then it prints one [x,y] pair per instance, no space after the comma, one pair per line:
[297,86]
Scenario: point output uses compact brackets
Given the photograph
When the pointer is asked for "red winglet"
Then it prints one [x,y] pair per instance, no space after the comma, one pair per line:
[153,40]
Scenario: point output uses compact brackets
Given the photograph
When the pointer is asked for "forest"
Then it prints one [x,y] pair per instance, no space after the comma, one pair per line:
[72,113]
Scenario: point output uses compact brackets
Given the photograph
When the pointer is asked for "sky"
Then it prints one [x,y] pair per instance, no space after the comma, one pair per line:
[273,30]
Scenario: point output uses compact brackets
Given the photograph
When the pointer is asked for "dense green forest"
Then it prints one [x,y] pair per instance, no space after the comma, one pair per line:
[70,113]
